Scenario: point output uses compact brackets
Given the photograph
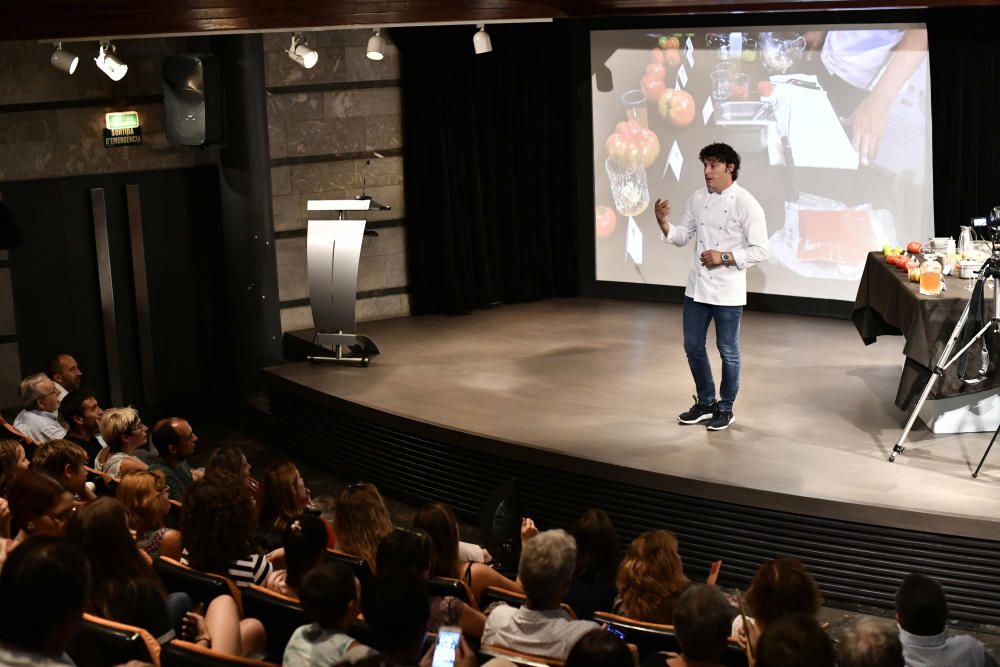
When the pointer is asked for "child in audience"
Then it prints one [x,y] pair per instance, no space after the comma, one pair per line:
[124,432]
[305,546]
[218,523]
[651,578]
[797,640]
[439,522]
[599,648]
[39,505]
[360,520]
[283,496]
[330,595]
[596,565]
[13,463]
[144,495]
[66,461]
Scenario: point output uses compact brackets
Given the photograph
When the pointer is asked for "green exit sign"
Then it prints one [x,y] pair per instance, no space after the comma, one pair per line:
[121,120]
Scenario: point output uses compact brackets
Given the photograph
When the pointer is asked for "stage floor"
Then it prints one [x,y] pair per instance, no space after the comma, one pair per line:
[603,380]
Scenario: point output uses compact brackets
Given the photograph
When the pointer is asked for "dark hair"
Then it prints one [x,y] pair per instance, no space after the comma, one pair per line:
[921,605]
[439,522]
[100,529]
[404,552]
[326,591]
[53,365]
[724,153]
[396,609]
[795,641]
[226,458]
[34,493]
[218,522]
[165,434]
[782,586]
[55,455]
[72,405]
[702,622]
[871,642]
[305,543]
[8,465]
[43,584]
[596,544]
[599,648]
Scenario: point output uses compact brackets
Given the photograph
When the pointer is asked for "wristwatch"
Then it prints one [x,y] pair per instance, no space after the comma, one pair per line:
[725,258]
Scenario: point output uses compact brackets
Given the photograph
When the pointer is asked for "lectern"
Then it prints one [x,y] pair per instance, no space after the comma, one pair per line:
[334,251]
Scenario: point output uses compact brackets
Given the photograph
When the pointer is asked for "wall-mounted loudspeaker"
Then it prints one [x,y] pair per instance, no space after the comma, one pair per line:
[192,100]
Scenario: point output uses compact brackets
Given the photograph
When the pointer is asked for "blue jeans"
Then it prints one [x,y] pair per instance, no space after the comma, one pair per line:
[727,335]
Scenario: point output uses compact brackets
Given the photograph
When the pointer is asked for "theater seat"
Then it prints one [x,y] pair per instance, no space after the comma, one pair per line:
[102,642]
[281,615]
[445,586]
[493,594]
[362,570]
[488,651]
[185,654]
[201,586]
[651,638]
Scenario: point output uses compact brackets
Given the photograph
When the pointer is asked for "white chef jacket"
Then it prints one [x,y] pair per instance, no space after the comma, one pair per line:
[730,221]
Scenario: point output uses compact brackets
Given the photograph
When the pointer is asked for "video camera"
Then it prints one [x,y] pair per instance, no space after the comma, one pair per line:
[992,221]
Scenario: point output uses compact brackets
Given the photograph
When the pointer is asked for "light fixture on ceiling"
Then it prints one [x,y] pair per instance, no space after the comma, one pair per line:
[481,40]
[300,52]
[376,46]
[108,62]
[64,60]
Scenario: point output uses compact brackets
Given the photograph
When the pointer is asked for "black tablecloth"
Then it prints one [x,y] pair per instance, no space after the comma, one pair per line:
[889,304]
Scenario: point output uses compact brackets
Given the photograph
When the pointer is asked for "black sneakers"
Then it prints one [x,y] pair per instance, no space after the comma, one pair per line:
[720,421]
[698,413]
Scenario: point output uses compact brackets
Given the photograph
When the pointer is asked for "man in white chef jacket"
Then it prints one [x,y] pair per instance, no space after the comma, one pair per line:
[730,234]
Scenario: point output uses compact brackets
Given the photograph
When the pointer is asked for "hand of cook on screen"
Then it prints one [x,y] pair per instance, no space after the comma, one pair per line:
[662,209]
[867,125]
[711,258]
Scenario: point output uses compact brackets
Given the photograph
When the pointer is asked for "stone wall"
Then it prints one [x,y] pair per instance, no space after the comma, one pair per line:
[325,123]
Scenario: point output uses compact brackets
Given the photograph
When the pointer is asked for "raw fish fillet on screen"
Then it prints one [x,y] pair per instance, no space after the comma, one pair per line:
[842,237]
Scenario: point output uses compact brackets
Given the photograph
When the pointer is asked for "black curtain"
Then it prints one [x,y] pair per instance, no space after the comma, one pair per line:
[489,166]
[965,105]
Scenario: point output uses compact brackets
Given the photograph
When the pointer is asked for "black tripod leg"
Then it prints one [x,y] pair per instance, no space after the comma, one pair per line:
[986,453]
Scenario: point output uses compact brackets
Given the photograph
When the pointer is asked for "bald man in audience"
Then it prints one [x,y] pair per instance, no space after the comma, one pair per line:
[40,399]
[65,372]
[175,440]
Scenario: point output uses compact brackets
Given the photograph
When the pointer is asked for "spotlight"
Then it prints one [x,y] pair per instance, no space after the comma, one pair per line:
[108,62]
[481,40]
[300,52]
[64,60]
[376,46]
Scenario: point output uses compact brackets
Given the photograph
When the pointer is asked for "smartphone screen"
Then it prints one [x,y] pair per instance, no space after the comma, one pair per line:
[616,632]
[446,647]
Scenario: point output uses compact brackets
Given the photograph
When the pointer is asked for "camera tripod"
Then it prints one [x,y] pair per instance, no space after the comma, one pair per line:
[989,271]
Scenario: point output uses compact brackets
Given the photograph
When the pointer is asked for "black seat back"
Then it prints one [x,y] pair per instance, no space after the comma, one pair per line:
[184,654]
[448,587]
[203,587]
[100,643]
[362,570]
[279,614]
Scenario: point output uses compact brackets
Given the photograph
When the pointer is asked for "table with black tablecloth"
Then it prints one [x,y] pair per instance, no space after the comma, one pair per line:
[889,304]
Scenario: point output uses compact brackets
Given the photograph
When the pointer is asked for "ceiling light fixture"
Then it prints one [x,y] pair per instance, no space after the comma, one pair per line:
[108,62]
[300,52]
[376,46]
[481,40]
[64,60]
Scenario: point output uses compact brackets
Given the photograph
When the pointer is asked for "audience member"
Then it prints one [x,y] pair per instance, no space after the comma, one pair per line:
[143,494]
[82,414]
[439,522]
[39,505]
[174,439]
[43,587]
[305,547]
[541,627]
[65,373]
[795,640]
[701,621]
[13,463]
[360,520]
[407,552]
[396,610]
[283,497]
[38,419]
[651,578]
[922,614]
[125,587]
[230,458]
[597,560]
[66,462]
[8,432]
[218,523]
[780,587]
[599,648]
[870,642]
[331,597]
[124,432]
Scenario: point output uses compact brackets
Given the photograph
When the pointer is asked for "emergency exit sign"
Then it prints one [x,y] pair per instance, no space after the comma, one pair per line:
[122,128]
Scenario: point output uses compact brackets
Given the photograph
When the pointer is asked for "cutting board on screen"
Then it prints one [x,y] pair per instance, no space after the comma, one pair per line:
[842,237]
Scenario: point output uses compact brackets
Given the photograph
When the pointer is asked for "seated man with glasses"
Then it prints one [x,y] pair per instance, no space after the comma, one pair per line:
[40,400]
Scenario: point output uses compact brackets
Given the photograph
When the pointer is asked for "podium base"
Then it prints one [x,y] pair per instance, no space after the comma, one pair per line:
[359,349]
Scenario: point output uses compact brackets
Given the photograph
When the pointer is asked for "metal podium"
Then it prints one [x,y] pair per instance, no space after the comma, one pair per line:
[334,250]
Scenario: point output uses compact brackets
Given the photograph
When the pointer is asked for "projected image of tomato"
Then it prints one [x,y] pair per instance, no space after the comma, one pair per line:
[677,106]
[606,220]
[631,144]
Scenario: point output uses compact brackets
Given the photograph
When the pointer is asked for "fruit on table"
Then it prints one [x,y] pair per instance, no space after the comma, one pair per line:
[913,247]
[677,106]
